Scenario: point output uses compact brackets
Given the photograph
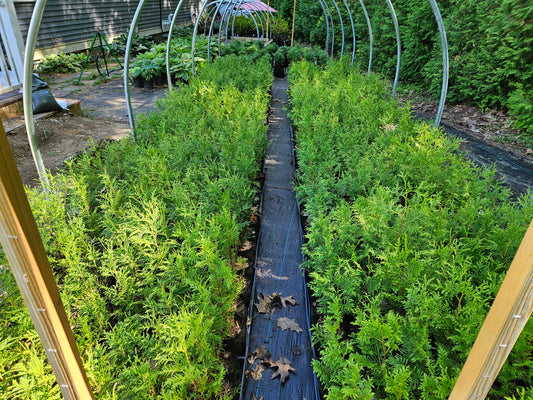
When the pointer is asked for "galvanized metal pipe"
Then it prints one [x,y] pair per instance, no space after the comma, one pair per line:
[217,9]
[169,41]
[330,16]
[370,36]
[212,11]
[445,62]
[353,29]
[196,23]
[326,18]
[224,20]
[133,26]
[27,100]
[398,46]
[342,28]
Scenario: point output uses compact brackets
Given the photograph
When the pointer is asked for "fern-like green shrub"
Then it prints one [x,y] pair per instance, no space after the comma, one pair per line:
[490,44]
[60,63]
[142,237]
[407,243]
[521,106]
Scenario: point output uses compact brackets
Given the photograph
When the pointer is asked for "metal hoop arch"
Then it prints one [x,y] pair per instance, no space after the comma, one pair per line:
[133,26]
[445,61]
[27,100]
[398,46]
[370,36]
[41,4]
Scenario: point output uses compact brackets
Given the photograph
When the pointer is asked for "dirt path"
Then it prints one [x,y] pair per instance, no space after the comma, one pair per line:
[104,117]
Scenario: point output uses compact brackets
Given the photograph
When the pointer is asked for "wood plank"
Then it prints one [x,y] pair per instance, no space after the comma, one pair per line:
[505,321]
[28,260]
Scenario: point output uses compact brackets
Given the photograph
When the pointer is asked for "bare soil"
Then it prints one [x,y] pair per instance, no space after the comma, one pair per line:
[62,136]
[493,127]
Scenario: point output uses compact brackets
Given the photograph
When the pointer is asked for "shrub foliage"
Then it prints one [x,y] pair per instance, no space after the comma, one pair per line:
[407,243]
[142,237]
[490,46]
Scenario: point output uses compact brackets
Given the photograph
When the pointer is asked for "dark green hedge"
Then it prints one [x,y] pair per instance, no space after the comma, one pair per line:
[491,47]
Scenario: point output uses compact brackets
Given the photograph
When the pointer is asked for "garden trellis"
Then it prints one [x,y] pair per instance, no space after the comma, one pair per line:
[515,306]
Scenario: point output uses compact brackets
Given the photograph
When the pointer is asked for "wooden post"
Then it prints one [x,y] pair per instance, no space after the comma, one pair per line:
[507,317]
[293,19]
[268,22]
[27,257]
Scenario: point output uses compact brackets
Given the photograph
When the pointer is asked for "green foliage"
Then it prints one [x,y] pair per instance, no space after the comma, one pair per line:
[241,72]
[60,63]
[407,242]
[521,105]
[142,238]
[280,57]
[245,26]
[490,46]
[139,44]
[280,31]
[152,63]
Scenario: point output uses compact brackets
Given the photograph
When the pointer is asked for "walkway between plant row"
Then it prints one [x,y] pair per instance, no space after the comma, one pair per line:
[279,358]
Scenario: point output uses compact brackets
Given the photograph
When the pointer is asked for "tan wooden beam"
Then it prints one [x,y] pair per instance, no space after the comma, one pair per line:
[505,321]
[293,21]
[25,251]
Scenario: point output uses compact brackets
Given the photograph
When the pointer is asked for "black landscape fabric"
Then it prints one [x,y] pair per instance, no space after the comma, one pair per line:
[278,363]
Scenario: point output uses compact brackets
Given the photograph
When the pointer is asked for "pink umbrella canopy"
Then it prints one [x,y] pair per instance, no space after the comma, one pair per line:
[256,5]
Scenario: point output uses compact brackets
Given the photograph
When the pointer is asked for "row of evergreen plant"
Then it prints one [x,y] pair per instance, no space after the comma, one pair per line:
[406,246]
[490,46]
[143,237]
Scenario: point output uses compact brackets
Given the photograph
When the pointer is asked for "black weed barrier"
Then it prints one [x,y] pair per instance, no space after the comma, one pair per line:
[143,241]
[407,243]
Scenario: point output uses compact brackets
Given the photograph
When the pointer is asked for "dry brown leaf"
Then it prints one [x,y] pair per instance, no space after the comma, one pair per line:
[287,323]
[261,353]
[257,372]
[261,273]
[266,304]
[284,369]
[288,299]
[263,304]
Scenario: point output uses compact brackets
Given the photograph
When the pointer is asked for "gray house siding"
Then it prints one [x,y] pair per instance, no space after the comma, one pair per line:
[70,26]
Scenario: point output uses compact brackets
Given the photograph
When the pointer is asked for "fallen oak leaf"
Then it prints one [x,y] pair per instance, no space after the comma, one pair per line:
[288,323]
[257,372]
[262,273]
[263,304]
[261,353]
[266,304]
[277,298]
[288,299]
[284,369]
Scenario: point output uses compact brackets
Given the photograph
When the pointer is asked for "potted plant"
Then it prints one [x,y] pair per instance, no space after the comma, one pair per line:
[135,74]
[149,72]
